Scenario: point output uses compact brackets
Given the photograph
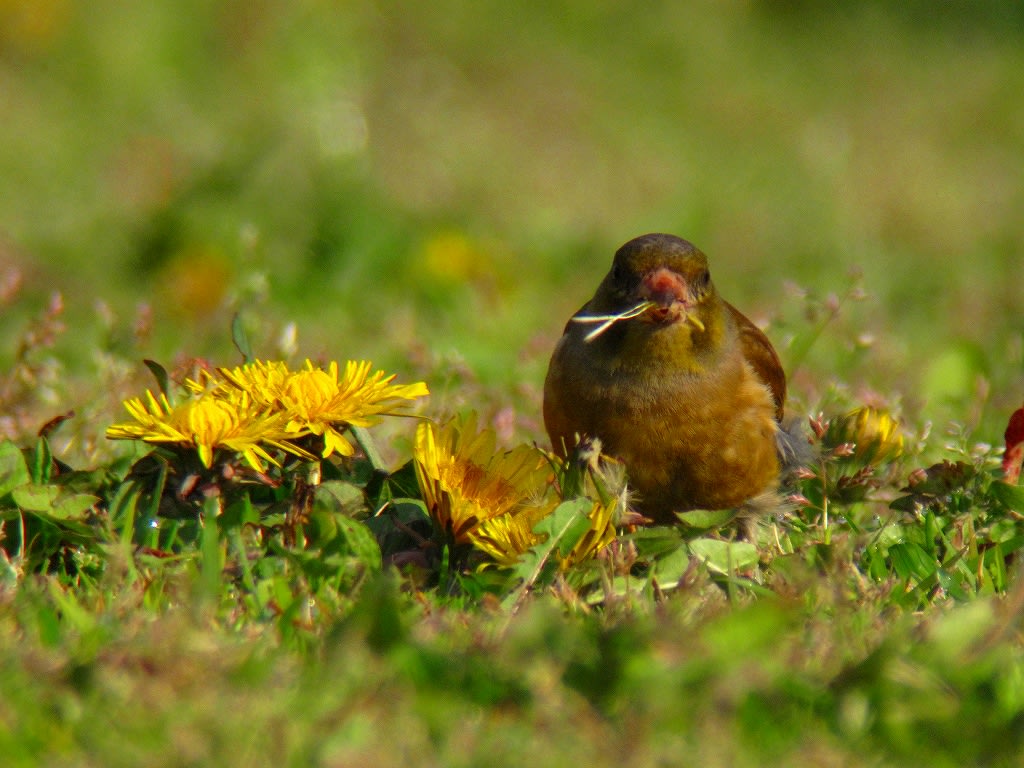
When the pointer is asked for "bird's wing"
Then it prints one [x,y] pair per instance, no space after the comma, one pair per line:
[762,357]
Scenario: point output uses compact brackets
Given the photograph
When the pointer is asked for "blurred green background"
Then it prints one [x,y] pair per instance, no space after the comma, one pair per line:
[438,186]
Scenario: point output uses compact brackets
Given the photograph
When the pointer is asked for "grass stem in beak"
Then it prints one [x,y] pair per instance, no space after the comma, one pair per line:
[607,321]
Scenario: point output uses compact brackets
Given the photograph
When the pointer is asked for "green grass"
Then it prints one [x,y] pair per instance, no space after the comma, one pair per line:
[437,188]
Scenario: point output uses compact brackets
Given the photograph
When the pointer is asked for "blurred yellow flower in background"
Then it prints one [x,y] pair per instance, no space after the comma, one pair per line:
[451,256]
[193,283]
[33,26]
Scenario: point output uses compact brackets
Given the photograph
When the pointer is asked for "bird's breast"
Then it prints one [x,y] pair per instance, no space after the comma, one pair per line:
[689,437]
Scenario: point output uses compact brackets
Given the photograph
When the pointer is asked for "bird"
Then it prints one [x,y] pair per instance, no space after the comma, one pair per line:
[674,382]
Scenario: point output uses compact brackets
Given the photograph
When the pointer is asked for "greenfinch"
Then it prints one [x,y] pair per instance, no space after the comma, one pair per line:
[673,380]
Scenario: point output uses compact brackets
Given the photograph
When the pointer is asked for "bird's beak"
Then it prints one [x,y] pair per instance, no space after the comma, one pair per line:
[664,287]
[671,296]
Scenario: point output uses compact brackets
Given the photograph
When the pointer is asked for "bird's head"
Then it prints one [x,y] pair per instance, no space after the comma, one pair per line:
[665,272]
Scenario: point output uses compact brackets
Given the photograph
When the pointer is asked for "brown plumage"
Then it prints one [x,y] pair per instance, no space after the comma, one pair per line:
[688,393]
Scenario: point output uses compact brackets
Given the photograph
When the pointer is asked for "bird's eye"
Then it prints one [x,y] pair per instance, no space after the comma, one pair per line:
[704,279]
[616,273]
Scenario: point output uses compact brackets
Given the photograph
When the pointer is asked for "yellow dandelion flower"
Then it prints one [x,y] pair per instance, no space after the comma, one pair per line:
[205,424]
[264,402]
[318,402]
[263,381]
[599,535]
[465,482]
[204,383]
[507,537]
[875,433]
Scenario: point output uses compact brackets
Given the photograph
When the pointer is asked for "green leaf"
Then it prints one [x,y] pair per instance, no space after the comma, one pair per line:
[706,519]
[401,483]
[889,535]
[73,506]
[33,497]
[13,470]
[995,562]
[365,440]
[322,527]
[238,513]
[408,511]
[355,539]
[952,585]
[163,381]
[338,497]
[48,625]
[1010,496]
[241,338]
[42,461]
[562,528]
[726,557]
[1011,545]
[71,610]
[402,526]
[566,525]
[908,503]
[943,478]
[669,570]
[655,541]
[910,561]
[212,553]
